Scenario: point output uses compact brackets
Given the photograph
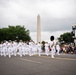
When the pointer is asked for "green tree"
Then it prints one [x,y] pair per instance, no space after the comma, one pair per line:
[66,37]
[14,33]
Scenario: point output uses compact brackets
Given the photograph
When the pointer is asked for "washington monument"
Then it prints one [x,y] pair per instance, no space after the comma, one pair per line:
[38,29]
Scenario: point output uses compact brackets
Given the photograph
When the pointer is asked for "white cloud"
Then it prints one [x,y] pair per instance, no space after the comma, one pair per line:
[62,9]
[56,15]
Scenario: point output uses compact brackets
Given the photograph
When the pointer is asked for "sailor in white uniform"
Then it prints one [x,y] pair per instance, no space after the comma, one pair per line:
[26,49]
[46,48]
[58,48]
[20,48]
[4,50]
[52,46]
[39,48]
[34,48]
[10,49]
[30,48]
[1,48]
[23,48]
[14,44]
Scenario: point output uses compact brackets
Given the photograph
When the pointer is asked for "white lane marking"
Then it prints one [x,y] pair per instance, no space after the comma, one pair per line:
[31,60]
[59,58]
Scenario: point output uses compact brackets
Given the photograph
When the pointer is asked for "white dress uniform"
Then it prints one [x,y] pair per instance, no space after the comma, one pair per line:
[39,49]
[26,49]
[30,48]
[58,49]
[10,49]
[1,49]
[20,48]
[52,46]
[14,48]
[46,49]
[4,50]
[23,49]
[33,48]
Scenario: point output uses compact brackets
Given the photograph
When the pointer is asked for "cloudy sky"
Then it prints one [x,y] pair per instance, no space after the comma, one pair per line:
[57,16]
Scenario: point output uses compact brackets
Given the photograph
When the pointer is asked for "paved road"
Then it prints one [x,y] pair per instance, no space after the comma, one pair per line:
[65,64]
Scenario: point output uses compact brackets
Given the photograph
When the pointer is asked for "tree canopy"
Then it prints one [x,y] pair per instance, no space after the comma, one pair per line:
[66,37]
[14,33]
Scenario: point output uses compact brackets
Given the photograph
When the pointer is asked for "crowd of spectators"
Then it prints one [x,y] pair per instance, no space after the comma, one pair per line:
[67,48]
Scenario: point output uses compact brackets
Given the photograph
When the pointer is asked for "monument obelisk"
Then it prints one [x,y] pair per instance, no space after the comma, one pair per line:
[38,29]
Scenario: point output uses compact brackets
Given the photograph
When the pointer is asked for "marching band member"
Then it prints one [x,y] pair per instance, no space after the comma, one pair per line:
[10,49]
[39,48]
[14,44]
[46,48]
[57,48]
[30,47]
[26,48]
[20,48]
[52,46]
[1,48]
[23,48]
[4,50]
